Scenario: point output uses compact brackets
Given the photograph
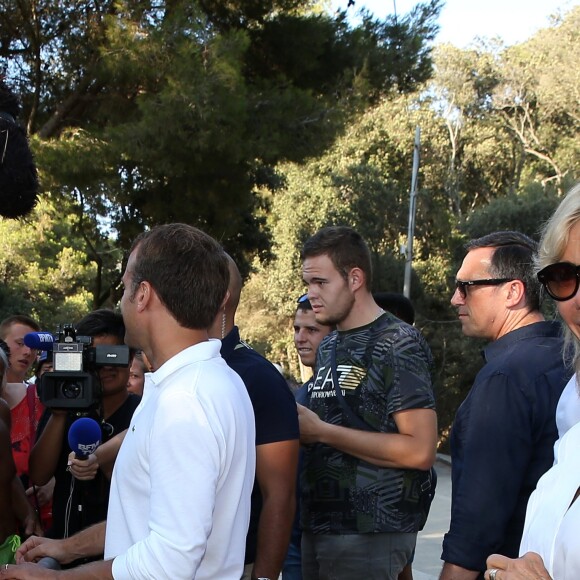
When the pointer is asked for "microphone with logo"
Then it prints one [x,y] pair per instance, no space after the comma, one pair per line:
[84,436]
[39,340]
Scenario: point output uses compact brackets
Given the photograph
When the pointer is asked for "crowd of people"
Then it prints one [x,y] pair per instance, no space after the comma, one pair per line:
[210,467]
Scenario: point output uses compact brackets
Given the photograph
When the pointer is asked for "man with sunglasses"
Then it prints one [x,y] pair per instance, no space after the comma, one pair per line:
[503,434]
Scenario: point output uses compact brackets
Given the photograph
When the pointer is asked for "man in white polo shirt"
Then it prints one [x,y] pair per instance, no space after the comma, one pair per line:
[180,495]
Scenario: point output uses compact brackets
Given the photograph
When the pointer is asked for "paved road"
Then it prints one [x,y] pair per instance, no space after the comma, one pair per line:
[427,564]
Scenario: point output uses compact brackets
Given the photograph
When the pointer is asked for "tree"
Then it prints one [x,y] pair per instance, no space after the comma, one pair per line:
[462,87]
[363,180]
[537,97]
[180,110]
[44,268]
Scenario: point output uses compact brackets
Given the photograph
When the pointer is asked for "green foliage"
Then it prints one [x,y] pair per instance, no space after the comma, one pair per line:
[44,269]
[474,179]
[526,212]
[537,97]
[178,110]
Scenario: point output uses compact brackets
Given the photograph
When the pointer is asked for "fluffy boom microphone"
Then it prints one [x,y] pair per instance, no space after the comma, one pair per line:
[18,176]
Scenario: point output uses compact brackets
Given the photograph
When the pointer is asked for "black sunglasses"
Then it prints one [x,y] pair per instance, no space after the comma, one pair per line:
[560,280]
[462,285]
[302,298]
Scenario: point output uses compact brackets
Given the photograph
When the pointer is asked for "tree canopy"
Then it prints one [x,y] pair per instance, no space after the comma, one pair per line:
[261,121]
[160,111]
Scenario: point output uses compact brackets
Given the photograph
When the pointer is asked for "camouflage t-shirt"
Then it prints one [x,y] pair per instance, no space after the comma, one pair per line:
[382,368]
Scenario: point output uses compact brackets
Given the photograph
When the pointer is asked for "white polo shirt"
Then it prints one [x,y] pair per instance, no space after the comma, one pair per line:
[180,495]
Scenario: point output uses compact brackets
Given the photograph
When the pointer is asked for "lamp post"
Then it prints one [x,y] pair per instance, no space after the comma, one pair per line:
[412,208]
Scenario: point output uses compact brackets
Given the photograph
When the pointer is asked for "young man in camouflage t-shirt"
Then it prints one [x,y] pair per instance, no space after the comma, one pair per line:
[367,454]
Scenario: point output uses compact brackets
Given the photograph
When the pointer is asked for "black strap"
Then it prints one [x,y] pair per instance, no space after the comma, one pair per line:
[429,481]
[352,417]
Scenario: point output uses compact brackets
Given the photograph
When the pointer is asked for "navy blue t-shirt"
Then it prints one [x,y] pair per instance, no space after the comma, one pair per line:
[274,409]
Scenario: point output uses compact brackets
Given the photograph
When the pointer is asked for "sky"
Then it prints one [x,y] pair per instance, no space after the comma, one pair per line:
[461,21]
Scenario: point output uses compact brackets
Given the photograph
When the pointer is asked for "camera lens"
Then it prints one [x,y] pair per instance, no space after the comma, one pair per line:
[70,390]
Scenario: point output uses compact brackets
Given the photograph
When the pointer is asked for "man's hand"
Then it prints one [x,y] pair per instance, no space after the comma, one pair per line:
[83,469]
[27,572]
[310,425]
[529,567]
[36,548]
[31,524]
[276,466]
[43,492]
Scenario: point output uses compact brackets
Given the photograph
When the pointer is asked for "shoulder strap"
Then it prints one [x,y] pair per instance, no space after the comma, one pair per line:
[352,417]
[31,400]
[429,478]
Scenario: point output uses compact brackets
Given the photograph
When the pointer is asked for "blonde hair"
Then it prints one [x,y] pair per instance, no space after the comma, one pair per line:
[555,236]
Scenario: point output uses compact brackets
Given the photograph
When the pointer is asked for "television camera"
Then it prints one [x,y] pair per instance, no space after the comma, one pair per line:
[74,382]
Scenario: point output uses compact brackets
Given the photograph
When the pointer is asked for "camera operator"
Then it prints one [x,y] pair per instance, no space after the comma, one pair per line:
[79,504]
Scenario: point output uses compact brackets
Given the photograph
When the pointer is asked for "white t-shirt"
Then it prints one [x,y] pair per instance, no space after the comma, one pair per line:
[179,505]
[568,409]
[552,526]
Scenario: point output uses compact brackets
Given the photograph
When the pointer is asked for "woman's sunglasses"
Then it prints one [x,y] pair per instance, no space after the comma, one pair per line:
[560,280]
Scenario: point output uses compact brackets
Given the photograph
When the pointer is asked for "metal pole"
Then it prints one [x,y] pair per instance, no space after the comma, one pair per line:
[412,207]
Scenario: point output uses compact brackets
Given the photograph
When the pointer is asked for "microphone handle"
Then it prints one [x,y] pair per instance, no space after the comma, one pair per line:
[48,562]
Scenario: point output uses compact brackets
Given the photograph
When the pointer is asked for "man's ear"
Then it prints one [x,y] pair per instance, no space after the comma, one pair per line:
[143,295]
[225,300]
[356,279]
[516,295]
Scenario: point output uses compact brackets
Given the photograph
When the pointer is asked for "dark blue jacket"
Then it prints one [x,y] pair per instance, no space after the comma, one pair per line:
[502,443]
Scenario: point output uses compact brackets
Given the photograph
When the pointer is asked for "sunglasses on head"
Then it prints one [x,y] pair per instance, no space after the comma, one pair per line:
[302,298]
[463,285]
[560,280]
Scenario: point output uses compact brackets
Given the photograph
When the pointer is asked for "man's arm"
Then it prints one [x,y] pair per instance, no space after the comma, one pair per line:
[494,437]
[13,500]
[86,543]
[94,571]
[45,453]
[276,466]
[414,447]
[454,572]
[23,509]
[7,475]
